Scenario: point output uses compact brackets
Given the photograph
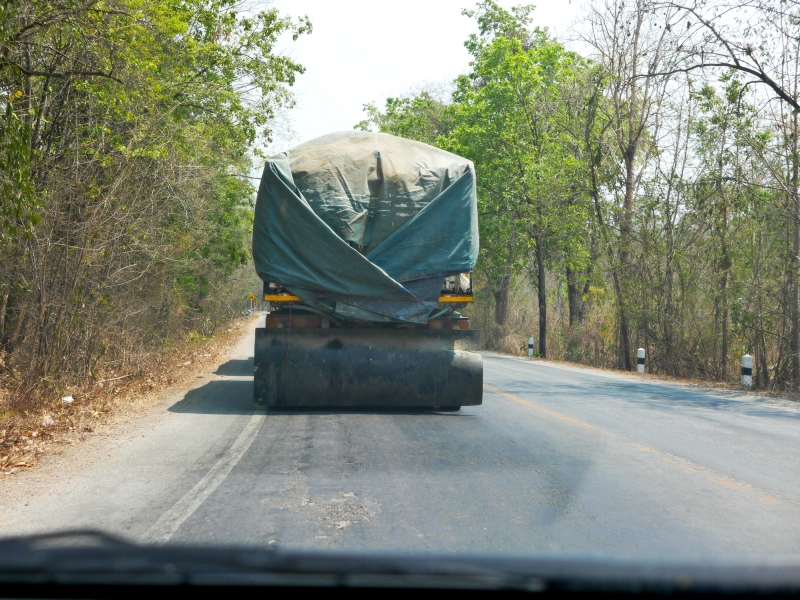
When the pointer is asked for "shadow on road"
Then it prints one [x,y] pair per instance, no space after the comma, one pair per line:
[235,397]
[242,367]
[218,398]
[653,396]
[361,410]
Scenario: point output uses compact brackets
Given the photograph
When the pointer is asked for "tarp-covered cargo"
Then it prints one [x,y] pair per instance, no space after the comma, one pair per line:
[366,225]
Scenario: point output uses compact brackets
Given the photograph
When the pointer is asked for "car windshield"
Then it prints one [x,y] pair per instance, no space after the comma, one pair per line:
[455,278]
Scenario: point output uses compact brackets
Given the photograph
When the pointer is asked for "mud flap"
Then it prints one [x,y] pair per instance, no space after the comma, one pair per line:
[368,367]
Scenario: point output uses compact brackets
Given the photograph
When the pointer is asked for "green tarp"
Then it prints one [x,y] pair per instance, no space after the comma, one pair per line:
[366,225]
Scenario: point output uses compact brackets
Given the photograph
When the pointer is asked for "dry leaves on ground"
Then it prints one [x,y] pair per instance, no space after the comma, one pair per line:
[26,436]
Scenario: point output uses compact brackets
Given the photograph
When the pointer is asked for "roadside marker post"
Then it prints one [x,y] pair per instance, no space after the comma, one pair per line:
[530,346]
[640,360]
[747,370]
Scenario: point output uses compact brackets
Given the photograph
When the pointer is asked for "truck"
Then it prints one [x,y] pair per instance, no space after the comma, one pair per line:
[366,244]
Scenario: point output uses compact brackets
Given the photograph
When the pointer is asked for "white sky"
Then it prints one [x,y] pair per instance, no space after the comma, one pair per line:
[364,51]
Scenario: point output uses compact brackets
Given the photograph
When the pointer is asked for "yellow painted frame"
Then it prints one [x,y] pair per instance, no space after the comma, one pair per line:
[280,298]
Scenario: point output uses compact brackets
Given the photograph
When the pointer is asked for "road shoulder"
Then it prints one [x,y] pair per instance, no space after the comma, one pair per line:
[82,451]
[717,390]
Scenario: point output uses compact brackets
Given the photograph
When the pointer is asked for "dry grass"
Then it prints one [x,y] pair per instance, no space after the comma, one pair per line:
[511,343]
[27,435]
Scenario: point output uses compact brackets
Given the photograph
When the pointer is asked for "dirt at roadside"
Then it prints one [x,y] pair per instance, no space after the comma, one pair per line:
[25,438]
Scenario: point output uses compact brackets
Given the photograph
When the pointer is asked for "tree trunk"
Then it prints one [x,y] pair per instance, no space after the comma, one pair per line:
[764,383]
[725,267]
[794,340]
[18,325]
[575,297]
[624,256]
[40,327]
[625,344]
[542,294]
[624,333]
[3,306]
[795,268]
[723,366]
[502,288]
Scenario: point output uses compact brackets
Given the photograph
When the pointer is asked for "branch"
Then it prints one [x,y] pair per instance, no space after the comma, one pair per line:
[737,65]
[60,75]
[758,185]
[763,77]
[707,24]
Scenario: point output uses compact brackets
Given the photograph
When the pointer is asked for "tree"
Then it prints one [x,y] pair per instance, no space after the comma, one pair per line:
[628,44]
[133,123]
[422,117]
[758,39]
[503,118]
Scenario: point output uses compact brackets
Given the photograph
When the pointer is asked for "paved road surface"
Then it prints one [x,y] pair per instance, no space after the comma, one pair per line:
[558,459]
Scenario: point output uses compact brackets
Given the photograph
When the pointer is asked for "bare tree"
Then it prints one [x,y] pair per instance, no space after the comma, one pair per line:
[742,36]
[757,38]
[628,43]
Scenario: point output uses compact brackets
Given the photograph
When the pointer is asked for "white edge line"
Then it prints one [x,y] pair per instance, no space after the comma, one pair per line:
[170,521]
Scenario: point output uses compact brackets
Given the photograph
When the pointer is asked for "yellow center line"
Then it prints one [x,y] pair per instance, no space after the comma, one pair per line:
[547,411]
[723,481]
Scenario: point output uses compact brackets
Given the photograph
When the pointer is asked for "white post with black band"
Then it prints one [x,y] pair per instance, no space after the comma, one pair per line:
[747,370]
[530,346]
[640,360]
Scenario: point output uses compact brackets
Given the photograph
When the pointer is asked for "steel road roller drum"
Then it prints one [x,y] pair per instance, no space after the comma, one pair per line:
[368,367]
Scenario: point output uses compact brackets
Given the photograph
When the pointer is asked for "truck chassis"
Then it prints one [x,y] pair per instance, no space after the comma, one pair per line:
[376,367]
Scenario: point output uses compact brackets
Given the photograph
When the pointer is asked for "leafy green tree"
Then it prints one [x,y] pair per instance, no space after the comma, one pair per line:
[135,123]
[722,131]
[421,117]
[17,209]
[503,116]
[504,119]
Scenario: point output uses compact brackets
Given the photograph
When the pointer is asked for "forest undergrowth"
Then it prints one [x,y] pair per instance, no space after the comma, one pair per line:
[591,344]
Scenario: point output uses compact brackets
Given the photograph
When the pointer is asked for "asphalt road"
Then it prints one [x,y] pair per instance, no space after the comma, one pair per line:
[557,460]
